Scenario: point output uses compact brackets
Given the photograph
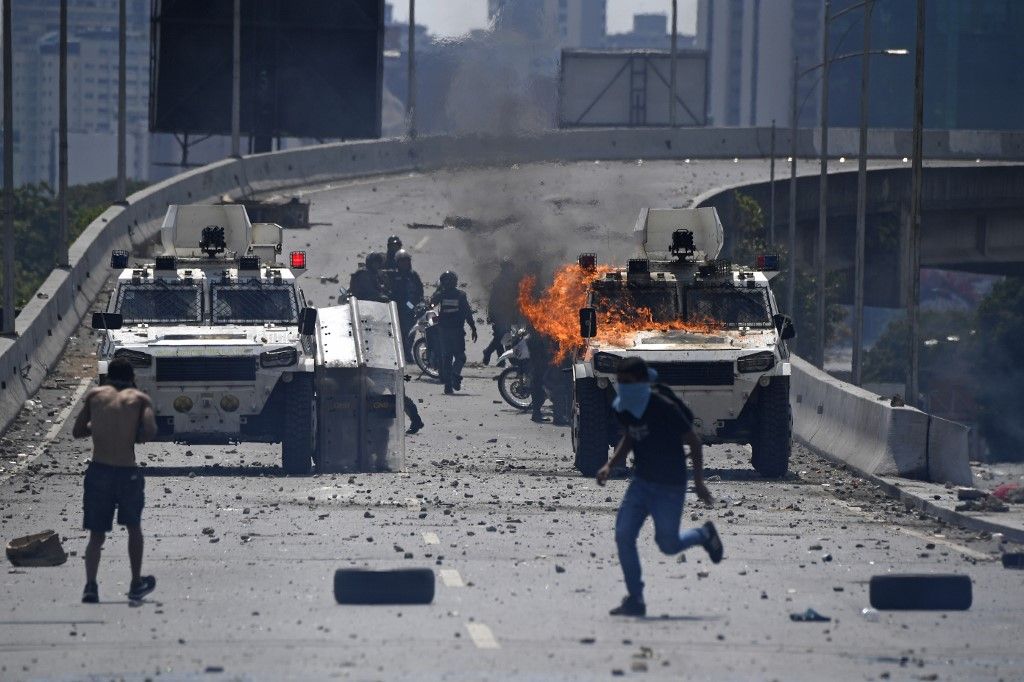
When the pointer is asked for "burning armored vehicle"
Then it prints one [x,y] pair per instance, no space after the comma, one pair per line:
[710,329]
[222,340]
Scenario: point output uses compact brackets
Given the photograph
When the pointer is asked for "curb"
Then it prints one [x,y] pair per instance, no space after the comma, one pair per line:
[921,504]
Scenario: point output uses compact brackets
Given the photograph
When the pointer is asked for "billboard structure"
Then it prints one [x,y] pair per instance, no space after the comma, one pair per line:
[309,68]
[631,88]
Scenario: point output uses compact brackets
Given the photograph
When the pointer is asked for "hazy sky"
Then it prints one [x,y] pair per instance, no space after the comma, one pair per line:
[454,17]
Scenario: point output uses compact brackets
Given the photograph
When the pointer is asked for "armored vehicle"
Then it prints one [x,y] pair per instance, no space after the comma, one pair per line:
[710,329]
[222,340]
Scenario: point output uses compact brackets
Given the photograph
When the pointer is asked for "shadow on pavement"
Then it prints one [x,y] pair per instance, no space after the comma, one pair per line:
[213,471]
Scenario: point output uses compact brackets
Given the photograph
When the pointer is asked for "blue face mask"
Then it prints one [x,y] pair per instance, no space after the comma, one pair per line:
[632,398]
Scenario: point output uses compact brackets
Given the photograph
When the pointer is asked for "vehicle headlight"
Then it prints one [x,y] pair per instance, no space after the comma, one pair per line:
[183,403]
[756,362]
[229,403]
[282,357]
[135,358]
[606,362]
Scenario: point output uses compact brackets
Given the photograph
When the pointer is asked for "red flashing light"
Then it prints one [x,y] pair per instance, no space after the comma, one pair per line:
[297,260]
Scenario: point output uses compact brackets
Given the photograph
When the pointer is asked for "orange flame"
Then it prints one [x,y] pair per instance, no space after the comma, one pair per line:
[555,313]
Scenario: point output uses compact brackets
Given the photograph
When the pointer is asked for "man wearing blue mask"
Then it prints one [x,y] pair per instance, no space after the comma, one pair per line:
[656,426]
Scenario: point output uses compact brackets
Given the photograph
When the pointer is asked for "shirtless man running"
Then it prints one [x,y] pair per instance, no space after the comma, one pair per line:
[117,416]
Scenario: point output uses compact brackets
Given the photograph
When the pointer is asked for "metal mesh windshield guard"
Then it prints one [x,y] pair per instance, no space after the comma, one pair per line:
[253,303]
[730,306]
[160,302]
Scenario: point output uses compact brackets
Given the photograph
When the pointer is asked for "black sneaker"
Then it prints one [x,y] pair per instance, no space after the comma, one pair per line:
[539,418]
[487,358]
[457,383]
[629,607]
[415,427]
[713,544]
[140,589]
[448,390]
[91,594]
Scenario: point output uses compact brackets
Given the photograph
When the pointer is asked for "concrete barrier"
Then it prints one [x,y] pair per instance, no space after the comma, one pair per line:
[44,325]
[856,427]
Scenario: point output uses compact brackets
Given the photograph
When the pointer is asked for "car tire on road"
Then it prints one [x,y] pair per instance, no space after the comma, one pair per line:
[774,433]
[589,427]
[921,592]
[298,441]
[401,586]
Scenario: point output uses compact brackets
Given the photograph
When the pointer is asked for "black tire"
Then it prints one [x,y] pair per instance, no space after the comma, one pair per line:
[589,427]
[921,592]
[774,432]
[402,586]
[299,437]
[514,387]
[419,353]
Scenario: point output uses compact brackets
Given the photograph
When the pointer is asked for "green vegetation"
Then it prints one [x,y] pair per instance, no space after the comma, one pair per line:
[1000,334]
[35,227]
[753,240]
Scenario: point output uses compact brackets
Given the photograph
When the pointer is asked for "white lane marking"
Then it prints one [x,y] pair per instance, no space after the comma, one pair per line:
[482,636]
[966,551]
[431,538]
[54,430]
[58,424]
[421,243]
[451,578]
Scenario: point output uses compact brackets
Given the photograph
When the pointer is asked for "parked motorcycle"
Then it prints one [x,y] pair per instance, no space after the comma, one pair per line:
[424,339]
[514,380]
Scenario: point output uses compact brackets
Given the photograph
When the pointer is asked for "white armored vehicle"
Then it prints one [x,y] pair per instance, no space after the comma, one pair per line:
[710,329]
[222,340]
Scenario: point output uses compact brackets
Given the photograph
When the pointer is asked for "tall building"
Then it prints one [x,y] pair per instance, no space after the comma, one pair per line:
[650,32]
[565,23]
[751,46]
[972,53]
[92,84]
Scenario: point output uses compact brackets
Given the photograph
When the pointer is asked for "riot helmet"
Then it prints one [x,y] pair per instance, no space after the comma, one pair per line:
[448,280]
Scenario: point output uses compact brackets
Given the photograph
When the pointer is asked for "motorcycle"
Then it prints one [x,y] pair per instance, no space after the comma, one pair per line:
[514,380]
[424,341]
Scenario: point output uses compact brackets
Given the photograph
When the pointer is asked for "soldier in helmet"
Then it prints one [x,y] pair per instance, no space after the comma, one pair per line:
[453,313]
[394,246]
[406,289]
[367,283]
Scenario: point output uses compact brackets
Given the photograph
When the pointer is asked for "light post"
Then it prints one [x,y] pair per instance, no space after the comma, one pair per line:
[7,328]
[410,95]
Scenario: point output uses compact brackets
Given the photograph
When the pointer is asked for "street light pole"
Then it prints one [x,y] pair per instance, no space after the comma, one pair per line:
[771,185]
[913,302]
[122,102]
[822,269]
[236,80]
[672,70]
[410,97]
[791,274]
[862,191]
[62,256]
[7,328]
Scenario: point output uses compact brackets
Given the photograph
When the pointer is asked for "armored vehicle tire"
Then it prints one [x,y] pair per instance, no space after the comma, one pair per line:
[402,586]
[772,440]
[589,427]
[514,387]
[422,357]
[297,443]
[921,592]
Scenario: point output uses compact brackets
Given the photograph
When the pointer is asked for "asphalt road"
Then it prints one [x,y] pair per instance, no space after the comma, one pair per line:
[522,546]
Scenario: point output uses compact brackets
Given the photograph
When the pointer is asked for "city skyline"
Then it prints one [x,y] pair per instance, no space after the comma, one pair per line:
[457,17]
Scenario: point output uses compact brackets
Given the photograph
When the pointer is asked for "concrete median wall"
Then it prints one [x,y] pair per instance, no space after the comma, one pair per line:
[856,427]
[45,324]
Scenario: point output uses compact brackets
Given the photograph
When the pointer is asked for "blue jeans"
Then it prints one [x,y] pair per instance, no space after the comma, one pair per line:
[664,504]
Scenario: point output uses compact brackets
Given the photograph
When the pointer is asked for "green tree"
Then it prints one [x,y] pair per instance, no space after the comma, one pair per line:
[1000,338]
[36,216]
[752,239]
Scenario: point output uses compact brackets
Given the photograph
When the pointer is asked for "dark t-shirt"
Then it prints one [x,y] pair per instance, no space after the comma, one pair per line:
[658,453]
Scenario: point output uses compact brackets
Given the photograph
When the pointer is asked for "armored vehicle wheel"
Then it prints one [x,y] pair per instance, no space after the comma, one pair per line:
[297,444]
[772,441]
[422,357]
[589,427]
[401,586]
[514,387]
